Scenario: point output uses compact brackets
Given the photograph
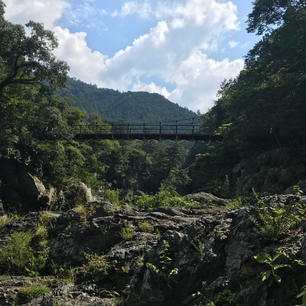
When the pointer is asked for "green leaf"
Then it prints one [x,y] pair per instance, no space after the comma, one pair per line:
[265,275]
[260,259]
[281,266]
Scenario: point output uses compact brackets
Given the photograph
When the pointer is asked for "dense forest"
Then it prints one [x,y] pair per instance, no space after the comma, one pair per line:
[114,106]
[261,115]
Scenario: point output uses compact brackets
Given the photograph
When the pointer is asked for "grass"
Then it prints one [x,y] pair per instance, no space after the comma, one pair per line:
[29,292]
[127,233]
[146,227]
[85,212]
[8,218]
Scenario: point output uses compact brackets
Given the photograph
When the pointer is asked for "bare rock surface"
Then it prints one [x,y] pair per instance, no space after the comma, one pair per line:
[170,257]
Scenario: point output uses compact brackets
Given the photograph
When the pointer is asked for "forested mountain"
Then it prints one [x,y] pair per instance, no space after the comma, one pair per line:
[113,106]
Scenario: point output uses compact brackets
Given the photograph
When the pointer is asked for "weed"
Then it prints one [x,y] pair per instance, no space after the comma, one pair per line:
[97,265]
[112,196]
[199,246]
[164,197]
[45,218]
[272,223]
[63,273]
[18,257]
[222,296]
[274,263]
[85,212]
[146,227]
[163,269]
[28,293]
[41,231]
[127,233]
[8,218]
[126,268]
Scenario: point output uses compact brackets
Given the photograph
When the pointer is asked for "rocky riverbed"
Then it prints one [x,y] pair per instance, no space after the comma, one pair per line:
[202,256]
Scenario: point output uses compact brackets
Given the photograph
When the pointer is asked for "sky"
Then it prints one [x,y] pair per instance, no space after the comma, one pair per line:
[181,49]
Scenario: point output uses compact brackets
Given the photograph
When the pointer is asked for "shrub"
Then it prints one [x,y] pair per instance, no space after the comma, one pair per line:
[97,265]
[18,257]
[272,222]
[164,197]
[127,233]
[112,196]
[28,293]
[8,218]
[85,212]
[146,227]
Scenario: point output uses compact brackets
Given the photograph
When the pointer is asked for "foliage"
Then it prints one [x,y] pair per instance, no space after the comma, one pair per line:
[8,218]
[222,295]
[146,227]
[279,261]
[302,295]
[112,196]
[263,108]
[29,292]
[199,246]
[18,256]
[85,212]
[163,268]
[273,222]
[113,106]
[96,263]
[127,233]
[165,197]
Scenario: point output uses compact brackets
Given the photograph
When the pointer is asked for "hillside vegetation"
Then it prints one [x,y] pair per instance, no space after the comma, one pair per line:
[114,106]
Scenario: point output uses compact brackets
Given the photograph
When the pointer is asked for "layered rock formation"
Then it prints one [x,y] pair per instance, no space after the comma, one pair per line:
[167,257]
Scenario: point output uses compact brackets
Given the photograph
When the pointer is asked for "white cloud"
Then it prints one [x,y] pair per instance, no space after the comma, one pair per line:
[232,43]
[84,63]
[178,49]
[152,88]
[141,8]
[85,14]
[44,11]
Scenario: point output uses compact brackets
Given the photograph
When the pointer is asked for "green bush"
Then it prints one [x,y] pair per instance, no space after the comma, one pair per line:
[28,293]
[8,218]
[146,227]
[273,222]
[96,265]
[127,233]
[18,257]
[112,196]
[165,197]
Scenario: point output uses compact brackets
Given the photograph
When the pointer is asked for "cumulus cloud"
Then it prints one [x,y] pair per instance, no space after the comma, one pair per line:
[152,88]
[179,49]
[84,63]
[44,11]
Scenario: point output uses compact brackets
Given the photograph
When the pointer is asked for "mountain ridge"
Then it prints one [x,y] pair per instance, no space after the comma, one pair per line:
[112,105]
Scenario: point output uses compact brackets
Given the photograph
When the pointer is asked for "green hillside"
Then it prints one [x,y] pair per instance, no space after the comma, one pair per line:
[112,105]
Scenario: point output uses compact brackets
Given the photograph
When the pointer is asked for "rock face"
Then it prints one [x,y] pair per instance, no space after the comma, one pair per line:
[271,171]
[19,189]
[169,256]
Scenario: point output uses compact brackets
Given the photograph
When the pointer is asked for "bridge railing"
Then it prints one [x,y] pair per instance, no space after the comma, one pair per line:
[136,129]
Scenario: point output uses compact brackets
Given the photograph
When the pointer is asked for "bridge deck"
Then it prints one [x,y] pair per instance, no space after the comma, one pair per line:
[142,136]
[143,131]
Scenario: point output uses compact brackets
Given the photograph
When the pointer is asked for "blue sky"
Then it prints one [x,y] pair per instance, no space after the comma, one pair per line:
[182,49]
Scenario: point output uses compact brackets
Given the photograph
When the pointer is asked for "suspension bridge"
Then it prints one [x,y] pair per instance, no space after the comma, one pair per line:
[128,131]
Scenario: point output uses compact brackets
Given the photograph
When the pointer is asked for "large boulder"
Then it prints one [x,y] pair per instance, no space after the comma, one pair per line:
[21,191]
